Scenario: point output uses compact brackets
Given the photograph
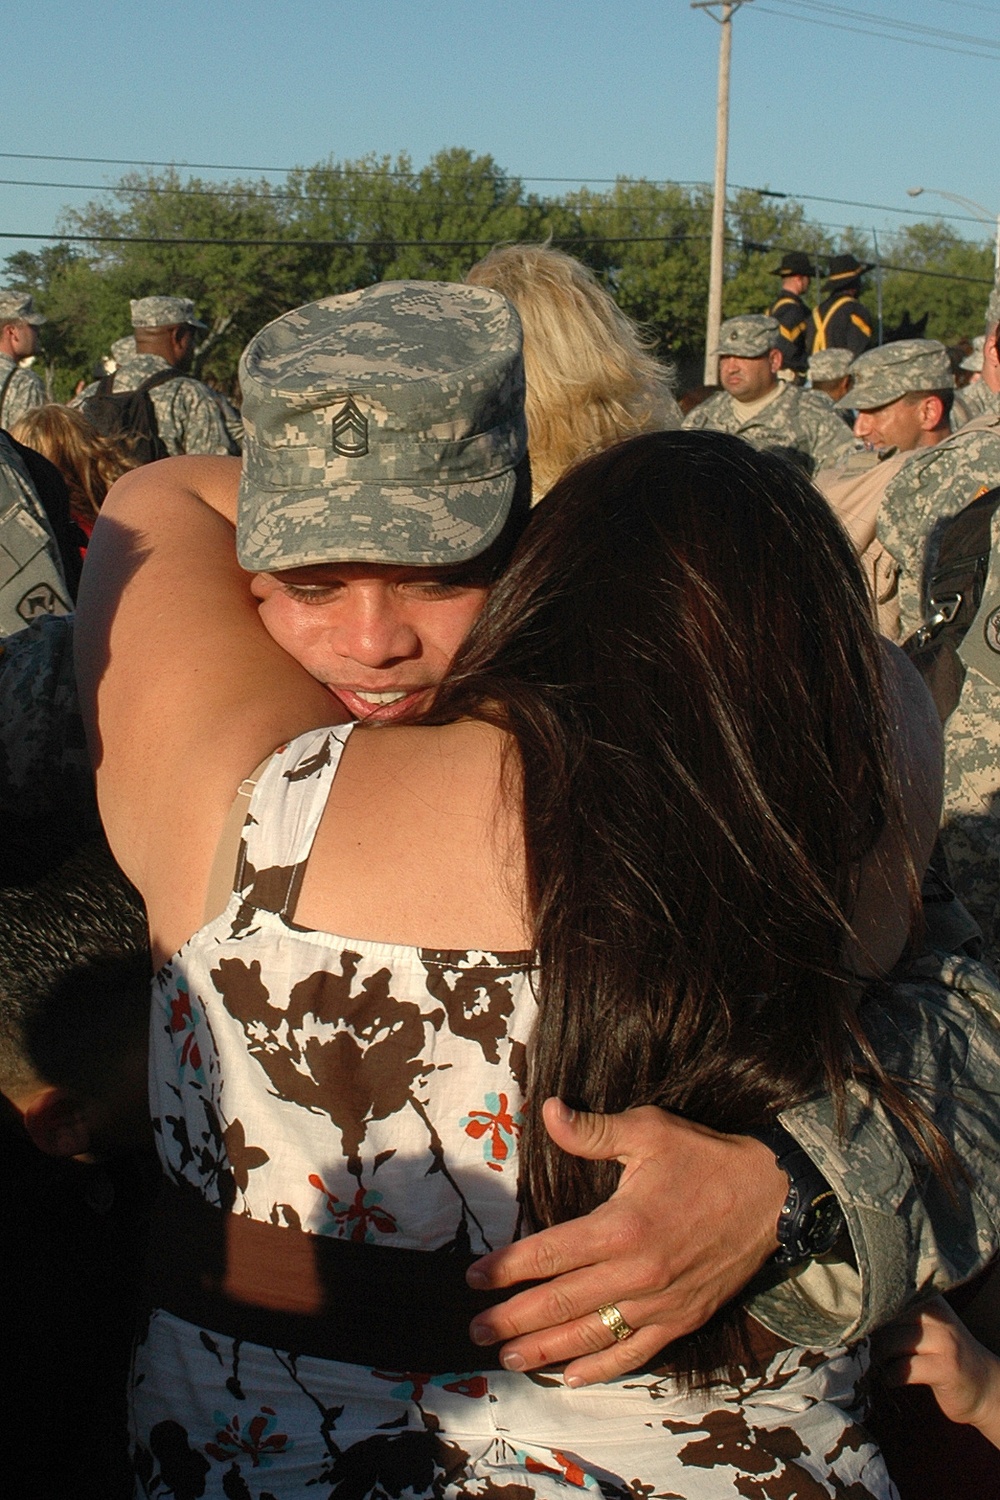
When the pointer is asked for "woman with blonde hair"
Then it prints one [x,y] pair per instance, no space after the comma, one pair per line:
[592,378]
[87,460]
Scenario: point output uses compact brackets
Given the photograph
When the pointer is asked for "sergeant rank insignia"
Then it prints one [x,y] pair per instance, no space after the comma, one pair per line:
[350,430]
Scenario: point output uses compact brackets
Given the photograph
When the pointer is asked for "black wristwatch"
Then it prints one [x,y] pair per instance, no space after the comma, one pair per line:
[811,1219]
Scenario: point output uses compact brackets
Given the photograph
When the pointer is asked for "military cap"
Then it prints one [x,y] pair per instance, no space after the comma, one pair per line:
[748,336]
[17,307]
[123,349]
[795,263]
[883,375]
[381,426]
[974,361]
[830,364]
[163,312]
[843,270]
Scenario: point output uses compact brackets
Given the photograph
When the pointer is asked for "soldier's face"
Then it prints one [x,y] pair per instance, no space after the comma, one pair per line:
[380,637]
[898,424]
[749,379]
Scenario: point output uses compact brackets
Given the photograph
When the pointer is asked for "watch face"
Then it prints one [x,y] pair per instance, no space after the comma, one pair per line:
[820,1224]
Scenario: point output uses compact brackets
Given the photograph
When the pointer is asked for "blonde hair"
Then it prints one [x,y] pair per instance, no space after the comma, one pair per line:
[591,376]
[87,460]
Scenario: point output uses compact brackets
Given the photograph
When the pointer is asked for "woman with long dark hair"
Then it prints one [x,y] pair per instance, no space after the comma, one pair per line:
[617,866]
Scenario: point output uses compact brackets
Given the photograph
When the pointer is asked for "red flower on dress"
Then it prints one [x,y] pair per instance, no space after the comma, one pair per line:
[358,1219]
[181,1019]
[498,1127]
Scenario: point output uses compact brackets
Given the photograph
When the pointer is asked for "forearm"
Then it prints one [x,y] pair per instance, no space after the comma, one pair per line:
[908,1234]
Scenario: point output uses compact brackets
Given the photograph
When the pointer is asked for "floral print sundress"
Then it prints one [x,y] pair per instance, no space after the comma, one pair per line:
[372,1092]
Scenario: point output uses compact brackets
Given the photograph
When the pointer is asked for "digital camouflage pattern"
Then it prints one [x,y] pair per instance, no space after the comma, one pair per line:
[254,1024]
[22,391]
[897,369]
[973,401]
[31,577]
[123,349]
[802,425]
[938,1024]
[381,426]
[830,364]
[163,312]
[45,769]
[935,484]
[17,307]
[187,414]
[749,336]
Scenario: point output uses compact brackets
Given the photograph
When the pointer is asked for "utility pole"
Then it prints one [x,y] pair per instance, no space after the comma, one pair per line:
[717,261]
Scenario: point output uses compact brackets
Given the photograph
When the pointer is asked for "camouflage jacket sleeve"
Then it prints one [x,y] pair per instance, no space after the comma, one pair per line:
[931,487]
[194,424]
[940,1029]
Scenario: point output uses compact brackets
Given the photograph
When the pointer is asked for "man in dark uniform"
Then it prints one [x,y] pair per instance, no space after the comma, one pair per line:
[791,313]
[841,321]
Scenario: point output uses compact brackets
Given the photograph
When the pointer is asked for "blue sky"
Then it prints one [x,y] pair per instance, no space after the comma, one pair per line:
[577,89]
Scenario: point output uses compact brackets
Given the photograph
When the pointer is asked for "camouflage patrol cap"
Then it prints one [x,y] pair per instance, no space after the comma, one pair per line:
[123,349]
[974,360]
[382,426]
[830,364]
[748,336]
[163,312]
[16,307]
[897,369]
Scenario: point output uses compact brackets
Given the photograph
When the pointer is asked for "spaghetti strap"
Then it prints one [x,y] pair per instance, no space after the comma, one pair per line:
[284,813]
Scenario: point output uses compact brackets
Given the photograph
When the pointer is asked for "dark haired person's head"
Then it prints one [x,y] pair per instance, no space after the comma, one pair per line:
[74,1002]
[683,651]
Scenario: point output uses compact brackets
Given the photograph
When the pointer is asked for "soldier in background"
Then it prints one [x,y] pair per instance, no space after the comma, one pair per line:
[188,418]
[766,412]
[790,312]
[975,397]
[829,372]
[901,397]
[841,321]
[20,387]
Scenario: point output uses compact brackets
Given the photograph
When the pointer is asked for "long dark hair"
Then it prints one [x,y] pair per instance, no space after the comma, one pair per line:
[683,653]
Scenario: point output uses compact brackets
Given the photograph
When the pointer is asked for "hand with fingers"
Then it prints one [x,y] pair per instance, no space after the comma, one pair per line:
[930,1345]
[691,1222]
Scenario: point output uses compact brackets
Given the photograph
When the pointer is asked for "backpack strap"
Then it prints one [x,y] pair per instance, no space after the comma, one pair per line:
[160,378]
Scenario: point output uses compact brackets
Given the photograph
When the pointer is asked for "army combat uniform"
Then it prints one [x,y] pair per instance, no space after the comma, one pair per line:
[800,424]
[32,582]
[187,415]
[22,391]
[934,485]
[973,401]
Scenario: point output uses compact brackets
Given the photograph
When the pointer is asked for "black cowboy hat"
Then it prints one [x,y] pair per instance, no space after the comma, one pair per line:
[794,263]
[844,269]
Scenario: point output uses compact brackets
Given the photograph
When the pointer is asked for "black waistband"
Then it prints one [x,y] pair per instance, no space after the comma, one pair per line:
[307,1294]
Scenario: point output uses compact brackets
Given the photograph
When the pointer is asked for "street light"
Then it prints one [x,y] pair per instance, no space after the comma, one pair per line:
[981,213]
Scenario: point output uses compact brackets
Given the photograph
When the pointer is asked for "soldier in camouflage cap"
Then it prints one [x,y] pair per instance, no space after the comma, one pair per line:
[188,417]
[383,426]
[829,372]
[766,412]
[164,312]
[902,394]
[20,387]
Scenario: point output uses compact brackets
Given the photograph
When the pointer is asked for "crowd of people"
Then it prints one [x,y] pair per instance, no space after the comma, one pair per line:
[559,917]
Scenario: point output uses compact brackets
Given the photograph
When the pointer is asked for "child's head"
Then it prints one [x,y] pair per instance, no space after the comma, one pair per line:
[74,997]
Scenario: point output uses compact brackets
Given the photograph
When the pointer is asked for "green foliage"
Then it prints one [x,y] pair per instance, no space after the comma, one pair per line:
[337,226]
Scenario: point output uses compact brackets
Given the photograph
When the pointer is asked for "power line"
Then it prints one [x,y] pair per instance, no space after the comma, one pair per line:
[792,15]
[894,24]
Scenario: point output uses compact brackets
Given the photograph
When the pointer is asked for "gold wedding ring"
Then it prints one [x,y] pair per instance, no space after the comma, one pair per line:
[613,1320]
